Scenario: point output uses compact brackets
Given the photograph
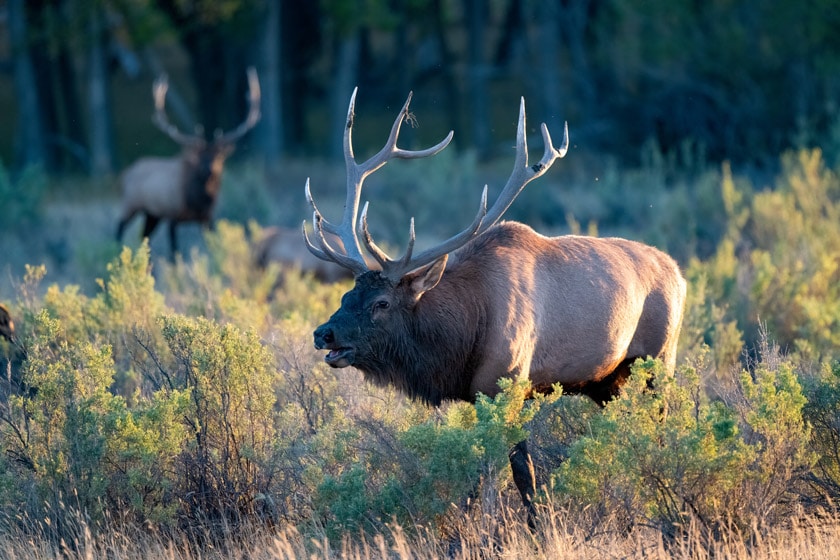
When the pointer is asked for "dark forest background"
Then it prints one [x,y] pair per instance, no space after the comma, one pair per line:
[663,100]
[742,80]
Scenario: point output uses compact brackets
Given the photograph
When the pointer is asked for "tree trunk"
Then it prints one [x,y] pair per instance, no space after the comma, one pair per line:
[301,31]
[270,130]
[207,71]
[74,139]
[101,127]
[548,47]
[573,23]
[513,37]
[346,73]
[31,146]
[446,67]
[478,102]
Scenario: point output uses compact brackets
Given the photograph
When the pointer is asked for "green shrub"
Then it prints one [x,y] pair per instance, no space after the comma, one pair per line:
[228,376]
[673,460]
[822,412]
[422,470]
[777,266]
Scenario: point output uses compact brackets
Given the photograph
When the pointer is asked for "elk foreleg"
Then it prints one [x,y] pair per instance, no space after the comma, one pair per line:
[173,240]
[523,476]
[149,225]
[122,225]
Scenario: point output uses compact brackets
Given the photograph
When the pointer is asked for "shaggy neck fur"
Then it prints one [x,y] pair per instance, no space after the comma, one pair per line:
[433,354]
[202,186]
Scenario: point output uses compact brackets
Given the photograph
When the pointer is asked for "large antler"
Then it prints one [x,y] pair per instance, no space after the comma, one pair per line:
[521,175]
[159,89]
[350,229]
[253,111]
[352,258]
[161,86]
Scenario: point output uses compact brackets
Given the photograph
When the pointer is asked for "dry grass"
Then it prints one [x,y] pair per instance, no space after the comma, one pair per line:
[502,537]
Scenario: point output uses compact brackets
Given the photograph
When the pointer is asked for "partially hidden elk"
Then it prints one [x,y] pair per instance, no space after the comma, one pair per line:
[12,355]
[281,246]
[7,326]
[183,188]
[495,300]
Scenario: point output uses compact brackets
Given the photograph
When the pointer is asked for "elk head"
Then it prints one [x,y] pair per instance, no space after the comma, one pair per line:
[204,159]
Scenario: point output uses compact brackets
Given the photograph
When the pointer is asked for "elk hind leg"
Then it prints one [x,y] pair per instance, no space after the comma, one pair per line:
[609,387]
[523,476]
[122,225]
[149,225]
[173,240]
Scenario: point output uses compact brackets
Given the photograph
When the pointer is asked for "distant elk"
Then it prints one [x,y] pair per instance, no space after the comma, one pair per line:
[7,326]
[495,300]
[183,188]
[12,354]
[283,246]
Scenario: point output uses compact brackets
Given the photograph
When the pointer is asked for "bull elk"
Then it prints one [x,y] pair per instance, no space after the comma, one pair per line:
[495,300]
[183,188]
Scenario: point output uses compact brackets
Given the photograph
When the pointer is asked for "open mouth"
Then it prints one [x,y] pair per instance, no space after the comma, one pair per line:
[340,357]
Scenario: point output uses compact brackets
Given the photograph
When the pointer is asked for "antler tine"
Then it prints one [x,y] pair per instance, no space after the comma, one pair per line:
[381,257]
[395,269]
[390,149]
[159,89]
[372,248]
[357,172]
[522,174]
[254,115]
[325,251]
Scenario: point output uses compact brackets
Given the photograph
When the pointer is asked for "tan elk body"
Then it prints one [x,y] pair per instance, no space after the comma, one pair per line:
[158,186]
[282,246]
[568,310]
[183,188]
[571,310]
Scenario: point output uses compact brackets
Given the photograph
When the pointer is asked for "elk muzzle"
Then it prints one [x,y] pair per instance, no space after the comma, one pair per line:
[338,356]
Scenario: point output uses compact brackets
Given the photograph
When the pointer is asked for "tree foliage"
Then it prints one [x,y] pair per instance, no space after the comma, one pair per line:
[627,72]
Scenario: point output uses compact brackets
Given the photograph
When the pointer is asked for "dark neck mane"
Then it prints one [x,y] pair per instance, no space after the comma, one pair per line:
[437,361]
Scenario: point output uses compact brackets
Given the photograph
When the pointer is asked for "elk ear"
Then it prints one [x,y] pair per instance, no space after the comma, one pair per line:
[422,280]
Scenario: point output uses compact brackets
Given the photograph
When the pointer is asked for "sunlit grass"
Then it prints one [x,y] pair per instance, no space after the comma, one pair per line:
[558,535]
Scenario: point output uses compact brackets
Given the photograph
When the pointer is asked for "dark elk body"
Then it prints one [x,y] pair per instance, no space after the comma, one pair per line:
[7,326]
[12,355]
[183,188]
[508,303]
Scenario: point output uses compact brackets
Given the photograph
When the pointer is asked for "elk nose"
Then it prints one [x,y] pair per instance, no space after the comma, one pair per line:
[323,336]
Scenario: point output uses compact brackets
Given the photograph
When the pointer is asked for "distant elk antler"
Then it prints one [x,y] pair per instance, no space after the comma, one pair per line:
[183,188]
[572,311]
